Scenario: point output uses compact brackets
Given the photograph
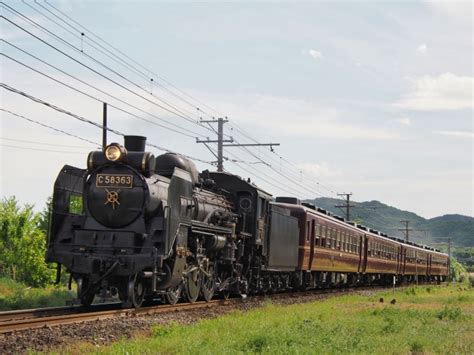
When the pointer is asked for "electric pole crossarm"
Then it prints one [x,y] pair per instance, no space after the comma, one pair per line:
[347,206]
[220,142]
[252,145]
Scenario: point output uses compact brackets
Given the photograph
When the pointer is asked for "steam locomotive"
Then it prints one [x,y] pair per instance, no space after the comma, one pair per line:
[139,227]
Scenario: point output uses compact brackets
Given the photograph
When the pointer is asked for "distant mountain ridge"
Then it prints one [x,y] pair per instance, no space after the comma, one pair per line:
[379,216]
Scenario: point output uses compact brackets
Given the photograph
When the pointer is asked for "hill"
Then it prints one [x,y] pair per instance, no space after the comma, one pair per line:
[387,219]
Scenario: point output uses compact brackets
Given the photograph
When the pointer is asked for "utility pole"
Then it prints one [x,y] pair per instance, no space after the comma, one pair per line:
[406,230]
[230,142]
[347,205]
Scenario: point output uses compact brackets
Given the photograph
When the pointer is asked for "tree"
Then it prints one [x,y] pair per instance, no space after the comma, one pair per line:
[22,244]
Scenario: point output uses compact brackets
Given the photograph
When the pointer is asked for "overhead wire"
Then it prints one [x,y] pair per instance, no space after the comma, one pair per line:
[177,130]
[59,38]
[47,126]
[39,149]
[104,51]
[63,14]
[241,131]
[85,120]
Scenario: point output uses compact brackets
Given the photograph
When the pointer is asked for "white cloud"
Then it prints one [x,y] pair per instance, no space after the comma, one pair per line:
[457,10]
[406,121]
[460,134]
[320,170]
[292,117]
[443,92]
[422,48]
[315,54]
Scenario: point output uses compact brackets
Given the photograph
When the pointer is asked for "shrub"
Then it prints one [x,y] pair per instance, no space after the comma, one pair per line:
[450,313]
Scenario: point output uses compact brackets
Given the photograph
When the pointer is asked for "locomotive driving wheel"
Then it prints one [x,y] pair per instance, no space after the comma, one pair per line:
[192,285]
[208,286]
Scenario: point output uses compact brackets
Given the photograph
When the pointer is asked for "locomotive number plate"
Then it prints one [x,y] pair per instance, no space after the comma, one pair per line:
[114,180]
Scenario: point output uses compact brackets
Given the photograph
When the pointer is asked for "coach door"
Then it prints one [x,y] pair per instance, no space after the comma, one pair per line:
[364,252]
[312,239]
[428,264]
[404,260]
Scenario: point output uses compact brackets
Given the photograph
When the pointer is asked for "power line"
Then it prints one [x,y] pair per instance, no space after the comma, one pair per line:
[140,65]
[77,49]
[105,51]
[128,66]
[39,150]
[85,120]
[43,29]
[49,127]
[100,90]
[42,143]
[101,49]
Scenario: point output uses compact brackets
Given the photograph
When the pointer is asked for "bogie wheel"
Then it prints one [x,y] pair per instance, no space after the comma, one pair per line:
[85,292]
[208,285]
[173,294]
[192,285]
[135,292]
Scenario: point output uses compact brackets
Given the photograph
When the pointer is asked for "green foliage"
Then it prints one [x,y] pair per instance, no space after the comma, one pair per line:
[450,313]
[22,244]
[75,204]
[424,322]
[457,269]
[465,256]
[15,295]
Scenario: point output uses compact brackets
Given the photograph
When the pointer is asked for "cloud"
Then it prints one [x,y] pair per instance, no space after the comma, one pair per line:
[292,117]
[320,170]
[443,92]
[315,54]
[422,48]
[460,134]
[406,121]
[457,10]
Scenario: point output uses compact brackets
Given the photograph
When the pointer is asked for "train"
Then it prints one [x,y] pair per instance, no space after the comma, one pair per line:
[141,228]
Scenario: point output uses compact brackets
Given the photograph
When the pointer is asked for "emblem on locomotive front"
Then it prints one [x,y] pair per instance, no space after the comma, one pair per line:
[112,197]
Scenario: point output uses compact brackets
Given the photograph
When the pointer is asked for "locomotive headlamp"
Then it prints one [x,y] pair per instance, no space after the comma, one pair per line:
[114,152]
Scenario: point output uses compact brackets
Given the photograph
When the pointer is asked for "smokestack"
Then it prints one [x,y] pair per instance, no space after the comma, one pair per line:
[135,143]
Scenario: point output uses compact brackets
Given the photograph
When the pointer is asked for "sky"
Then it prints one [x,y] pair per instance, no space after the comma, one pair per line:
[373,98]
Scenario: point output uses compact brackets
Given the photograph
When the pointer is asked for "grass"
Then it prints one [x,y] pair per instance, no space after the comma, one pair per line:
[422,320]
[14,295]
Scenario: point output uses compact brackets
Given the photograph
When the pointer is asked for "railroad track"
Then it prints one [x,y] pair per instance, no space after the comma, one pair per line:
[45,317]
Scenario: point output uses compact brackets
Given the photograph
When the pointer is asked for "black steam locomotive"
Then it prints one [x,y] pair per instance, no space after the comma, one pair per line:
[142,227]
[154,226]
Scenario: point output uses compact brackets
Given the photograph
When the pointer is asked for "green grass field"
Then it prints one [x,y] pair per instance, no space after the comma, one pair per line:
[427,319]
[14,295]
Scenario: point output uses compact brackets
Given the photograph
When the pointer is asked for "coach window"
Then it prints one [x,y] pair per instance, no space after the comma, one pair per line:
[323,236]
[317,232]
